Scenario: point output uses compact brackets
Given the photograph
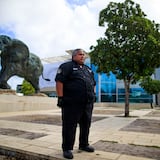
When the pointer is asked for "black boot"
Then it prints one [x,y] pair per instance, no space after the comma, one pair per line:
[68,154]
[87,149]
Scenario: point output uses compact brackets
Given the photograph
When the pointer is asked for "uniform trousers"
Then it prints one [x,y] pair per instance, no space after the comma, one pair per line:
[71,116]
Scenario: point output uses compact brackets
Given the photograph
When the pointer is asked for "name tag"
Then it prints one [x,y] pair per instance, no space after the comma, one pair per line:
[75,69]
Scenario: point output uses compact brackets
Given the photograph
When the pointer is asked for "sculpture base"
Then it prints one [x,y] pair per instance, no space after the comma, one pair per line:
[10,102]
[7,92]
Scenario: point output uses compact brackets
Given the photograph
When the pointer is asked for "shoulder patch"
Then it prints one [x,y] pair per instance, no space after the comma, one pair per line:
[59,71]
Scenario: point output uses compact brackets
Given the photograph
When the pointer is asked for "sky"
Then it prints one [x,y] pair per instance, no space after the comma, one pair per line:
[50,27]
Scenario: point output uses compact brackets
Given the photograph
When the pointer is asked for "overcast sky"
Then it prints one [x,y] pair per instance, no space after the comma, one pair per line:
[49,27]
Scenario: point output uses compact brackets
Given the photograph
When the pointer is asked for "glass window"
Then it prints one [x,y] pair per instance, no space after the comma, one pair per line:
[109,89]
[137,95]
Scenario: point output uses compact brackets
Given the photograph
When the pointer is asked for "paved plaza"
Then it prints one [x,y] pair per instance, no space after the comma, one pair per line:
[36,135]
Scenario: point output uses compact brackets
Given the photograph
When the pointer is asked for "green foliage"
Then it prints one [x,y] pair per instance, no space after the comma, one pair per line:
[27,88]
[150,85]
[131,45]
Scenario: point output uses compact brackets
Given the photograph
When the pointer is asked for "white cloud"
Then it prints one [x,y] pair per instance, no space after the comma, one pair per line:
[52,26]
[151,9]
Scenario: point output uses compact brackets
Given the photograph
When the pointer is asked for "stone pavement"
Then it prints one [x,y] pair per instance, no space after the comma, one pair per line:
[36,135]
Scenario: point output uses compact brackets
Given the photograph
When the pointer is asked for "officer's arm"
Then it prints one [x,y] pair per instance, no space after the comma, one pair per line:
[59,88]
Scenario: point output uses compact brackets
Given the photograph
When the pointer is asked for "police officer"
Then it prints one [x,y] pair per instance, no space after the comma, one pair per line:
[75,89]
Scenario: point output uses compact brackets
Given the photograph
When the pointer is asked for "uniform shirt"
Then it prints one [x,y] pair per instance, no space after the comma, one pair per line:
[78,82]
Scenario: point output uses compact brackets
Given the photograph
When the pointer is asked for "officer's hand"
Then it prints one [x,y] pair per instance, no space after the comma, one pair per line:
[60,102]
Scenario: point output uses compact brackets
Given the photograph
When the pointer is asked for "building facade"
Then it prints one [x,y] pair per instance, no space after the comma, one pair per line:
[110,89]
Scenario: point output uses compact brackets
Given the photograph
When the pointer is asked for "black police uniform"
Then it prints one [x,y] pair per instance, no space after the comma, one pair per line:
[78,97]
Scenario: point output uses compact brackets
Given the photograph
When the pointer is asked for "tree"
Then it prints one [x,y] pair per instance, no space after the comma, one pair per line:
[151,86]
[130,47]
[27,88]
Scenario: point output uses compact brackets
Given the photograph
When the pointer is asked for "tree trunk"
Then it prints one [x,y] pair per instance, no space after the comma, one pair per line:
[127,88]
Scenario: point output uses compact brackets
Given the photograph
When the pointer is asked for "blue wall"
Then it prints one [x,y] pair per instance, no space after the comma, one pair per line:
[109,89]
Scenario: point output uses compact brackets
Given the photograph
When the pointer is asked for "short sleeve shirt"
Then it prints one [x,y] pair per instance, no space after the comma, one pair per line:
[78,83]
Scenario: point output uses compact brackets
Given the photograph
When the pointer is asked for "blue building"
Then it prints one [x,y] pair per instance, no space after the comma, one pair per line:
[110,89]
